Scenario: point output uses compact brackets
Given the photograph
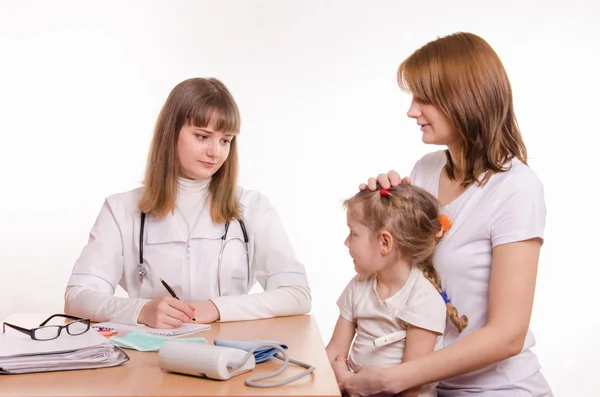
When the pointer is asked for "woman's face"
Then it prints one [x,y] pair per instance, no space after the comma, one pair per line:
[202,151]
[436,127]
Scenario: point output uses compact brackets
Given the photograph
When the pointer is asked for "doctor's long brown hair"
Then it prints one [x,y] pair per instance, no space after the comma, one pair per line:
[463,76]
[411,216]
[200,102]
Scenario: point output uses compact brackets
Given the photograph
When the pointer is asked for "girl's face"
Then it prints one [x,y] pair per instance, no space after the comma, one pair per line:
[436,127]
[364,248]
[202,151]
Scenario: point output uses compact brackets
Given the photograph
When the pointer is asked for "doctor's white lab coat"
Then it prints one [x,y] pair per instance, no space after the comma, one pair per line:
[189,264]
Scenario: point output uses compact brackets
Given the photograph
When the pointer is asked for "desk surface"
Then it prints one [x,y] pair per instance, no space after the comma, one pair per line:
[142,376]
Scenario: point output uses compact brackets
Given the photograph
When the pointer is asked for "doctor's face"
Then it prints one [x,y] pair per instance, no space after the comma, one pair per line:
[364,247]
[202,151]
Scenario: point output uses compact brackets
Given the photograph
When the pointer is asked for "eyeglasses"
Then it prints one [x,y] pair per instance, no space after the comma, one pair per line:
[48,332]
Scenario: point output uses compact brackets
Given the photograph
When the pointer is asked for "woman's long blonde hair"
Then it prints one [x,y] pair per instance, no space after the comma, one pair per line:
[463,76]
[198,102]
[411,216]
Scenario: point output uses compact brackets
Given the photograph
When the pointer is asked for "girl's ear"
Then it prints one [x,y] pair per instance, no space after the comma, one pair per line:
[386,243]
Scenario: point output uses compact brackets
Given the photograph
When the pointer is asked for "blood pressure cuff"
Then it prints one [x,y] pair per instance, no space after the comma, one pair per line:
[260,355]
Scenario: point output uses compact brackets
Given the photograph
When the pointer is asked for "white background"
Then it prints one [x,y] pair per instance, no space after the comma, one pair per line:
[81,85]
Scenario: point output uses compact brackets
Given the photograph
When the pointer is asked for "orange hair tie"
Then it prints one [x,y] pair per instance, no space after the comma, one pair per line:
[446,223]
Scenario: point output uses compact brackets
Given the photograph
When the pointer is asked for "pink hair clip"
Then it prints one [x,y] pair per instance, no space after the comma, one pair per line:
[384,192]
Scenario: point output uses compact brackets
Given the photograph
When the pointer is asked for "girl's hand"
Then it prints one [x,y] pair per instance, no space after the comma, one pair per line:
[386,181]
[166,312]
[340,369]
[366,381]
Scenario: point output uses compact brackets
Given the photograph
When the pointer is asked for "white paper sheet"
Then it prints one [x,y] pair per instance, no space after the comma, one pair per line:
[184,329]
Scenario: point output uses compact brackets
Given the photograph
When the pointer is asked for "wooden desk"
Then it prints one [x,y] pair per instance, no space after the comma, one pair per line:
[142,376]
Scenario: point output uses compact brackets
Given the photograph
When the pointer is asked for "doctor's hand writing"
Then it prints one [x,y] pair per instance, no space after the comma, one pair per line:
[206,312]
[166,312]
[386,181]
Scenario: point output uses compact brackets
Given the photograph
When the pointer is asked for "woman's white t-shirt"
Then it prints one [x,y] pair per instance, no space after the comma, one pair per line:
[510,207]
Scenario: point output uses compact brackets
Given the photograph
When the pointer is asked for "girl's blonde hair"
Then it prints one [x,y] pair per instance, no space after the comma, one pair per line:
[411,215]
[199,102]
[463,76]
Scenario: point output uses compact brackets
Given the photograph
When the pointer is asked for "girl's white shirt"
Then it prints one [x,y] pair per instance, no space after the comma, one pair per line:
[183,249]
[417,303]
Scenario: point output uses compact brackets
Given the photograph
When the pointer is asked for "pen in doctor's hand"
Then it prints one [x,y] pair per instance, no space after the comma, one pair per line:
[168,287]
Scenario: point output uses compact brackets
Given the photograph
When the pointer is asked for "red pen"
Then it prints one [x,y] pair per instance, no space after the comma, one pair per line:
[106,333]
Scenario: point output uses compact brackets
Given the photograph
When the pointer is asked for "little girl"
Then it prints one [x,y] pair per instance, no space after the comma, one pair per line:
[394,309]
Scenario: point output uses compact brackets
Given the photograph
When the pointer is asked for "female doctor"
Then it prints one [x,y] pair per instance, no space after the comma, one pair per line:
[192,226]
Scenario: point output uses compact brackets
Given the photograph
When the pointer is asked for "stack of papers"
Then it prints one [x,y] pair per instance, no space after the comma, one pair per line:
[19,354]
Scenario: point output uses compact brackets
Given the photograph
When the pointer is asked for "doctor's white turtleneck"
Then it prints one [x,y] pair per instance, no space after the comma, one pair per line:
[192,197]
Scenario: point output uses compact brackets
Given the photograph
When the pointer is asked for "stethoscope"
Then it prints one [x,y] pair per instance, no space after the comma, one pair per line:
[142,269]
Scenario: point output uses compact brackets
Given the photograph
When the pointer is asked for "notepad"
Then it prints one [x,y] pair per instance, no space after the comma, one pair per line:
[145,342]
[184,329]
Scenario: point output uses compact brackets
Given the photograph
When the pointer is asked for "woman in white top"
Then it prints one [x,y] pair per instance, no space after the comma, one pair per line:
[488,260]
[394,310]
[192,226]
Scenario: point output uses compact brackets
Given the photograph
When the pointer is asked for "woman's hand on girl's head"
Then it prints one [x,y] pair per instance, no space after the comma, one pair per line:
[166,312]
[386,181]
